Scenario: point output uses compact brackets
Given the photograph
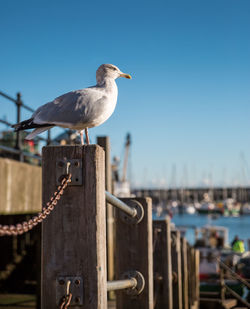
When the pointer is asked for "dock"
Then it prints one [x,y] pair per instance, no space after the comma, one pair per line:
[90,249]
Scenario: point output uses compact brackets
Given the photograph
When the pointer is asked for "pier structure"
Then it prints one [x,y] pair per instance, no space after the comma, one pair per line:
[148,260]
[191,195]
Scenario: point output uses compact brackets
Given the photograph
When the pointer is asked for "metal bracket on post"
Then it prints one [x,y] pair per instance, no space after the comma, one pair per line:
[76,289]
[139,279]
[65,166]
[139,213]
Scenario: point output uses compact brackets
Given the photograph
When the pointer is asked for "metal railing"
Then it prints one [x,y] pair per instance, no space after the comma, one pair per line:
[224,286]
[18,140]
[121,284]
[113,200]
[131,212]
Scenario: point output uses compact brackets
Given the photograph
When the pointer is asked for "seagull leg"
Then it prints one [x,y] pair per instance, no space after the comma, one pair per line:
[87,135]
[81,134]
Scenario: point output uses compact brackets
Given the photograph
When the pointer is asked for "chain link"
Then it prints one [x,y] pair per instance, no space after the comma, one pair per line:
[66,301]
[20,228]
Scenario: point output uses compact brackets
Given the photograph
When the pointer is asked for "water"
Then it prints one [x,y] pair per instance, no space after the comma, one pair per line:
[236,225]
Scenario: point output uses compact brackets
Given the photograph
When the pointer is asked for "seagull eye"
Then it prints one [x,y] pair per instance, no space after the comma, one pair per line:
[114,69]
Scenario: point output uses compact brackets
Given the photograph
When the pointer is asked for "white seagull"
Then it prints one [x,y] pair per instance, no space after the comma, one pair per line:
[79,109]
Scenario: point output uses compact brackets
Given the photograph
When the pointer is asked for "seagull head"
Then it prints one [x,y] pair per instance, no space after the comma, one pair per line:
[109,71]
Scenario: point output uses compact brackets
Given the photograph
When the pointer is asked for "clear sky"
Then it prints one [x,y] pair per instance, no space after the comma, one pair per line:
[188,104]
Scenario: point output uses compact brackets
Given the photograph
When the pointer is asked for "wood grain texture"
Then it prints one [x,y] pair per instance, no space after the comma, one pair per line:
[134,251]
[104,142]
[184,270]
[20,190]
[176,268]
[197,276]
[73,236]
[162,264]
[191,276]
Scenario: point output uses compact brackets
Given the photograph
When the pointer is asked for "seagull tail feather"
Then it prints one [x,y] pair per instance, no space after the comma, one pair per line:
[36,132]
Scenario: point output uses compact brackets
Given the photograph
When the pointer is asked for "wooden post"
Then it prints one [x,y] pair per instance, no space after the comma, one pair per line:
[134,251]
[197,276]
[184,270]
[176,268]
[104,142]
[73,236]
[192,277]
[163,294]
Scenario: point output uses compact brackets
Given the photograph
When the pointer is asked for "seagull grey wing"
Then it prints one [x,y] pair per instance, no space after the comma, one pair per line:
[69,109]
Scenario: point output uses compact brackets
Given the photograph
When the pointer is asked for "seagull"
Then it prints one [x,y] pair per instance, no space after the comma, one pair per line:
[79,109]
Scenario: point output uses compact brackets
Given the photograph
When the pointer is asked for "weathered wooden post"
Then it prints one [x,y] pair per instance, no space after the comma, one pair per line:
[197,278]
[104,142]
[73,236]
[163,294]
[134,252]
[176,268]
[190,277]
[193,278]
[184,270]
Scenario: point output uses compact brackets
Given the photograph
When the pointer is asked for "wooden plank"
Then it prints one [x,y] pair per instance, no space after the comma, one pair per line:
[74,235]
[176,268]
[134,251]
[197,275]
[104,142]
[184,270]
[190,276]
[163,294]
[20,190]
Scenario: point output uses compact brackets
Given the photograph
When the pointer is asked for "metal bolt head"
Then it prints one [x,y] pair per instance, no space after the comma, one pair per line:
[61,282]
[77,282]
[77,299]
[60,163]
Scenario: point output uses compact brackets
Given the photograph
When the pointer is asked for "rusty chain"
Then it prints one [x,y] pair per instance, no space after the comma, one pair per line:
[66,301]
[20,228]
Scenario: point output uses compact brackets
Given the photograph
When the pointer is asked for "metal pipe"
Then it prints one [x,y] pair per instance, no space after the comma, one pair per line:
[121,284]
[223,265]
[7,97]
[49,138]
[5,122]
[18,134]
[15,101]
[28,108]
[236,295]
[121,205]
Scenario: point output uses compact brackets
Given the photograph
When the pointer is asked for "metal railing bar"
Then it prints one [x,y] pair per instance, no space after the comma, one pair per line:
[8,97]
[16,151]
[5,122]
[236,295]
[121,284]
[110,198]
[234,273]
[28,108]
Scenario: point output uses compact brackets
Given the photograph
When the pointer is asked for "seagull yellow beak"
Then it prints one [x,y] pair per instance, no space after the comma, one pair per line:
[125,75]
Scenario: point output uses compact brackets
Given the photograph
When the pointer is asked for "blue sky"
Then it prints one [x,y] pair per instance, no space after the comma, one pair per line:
[188,104]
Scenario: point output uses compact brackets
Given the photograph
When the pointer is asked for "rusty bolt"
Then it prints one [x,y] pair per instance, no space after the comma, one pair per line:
[77,281]
[61,282]
[60,163]
[77,299]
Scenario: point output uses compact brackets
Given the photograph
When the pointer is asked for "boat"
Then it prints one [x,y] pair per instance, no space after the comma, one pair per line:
[246,209]
[212,242]
[208,206]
